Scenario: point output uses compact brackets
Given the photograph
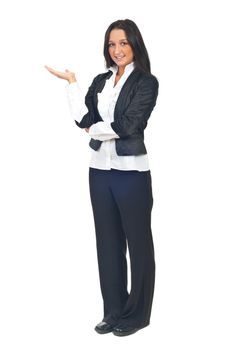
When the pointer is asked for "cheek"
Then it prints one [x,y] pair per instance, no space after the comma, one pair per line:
[130,52]
[110,52]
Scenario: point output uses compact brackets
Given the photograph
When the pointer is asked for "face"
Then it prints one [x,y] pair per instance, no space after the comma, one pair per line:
[119,49]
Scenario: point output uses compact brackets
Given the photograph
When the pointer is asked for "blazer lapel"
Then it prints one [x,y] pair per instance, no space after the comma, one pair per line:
[99,88]
[125,90]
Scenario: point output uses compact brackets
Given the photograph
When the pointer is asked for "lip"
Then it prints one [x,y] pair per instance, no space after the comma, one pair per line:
[119,58]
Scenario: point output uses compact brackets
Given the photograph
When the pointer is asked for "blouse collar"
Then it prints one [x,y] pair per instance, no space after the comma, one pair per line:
[128,67]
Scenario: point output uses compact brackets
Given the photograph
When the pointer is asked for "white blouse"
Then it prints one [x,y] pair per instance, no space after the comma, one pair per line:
[105,157]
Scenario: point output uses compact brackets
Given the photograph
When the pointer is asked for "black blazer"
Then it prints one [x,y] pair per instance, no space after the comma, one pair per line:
[133,107]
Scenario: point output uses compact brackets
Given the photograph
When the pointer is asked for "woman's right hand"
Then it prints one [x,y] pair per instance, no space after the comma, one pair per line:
[67,75]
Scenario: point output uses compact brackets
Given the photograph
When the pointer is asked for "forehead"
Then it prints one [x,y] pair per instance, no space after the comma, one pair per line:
[117,34]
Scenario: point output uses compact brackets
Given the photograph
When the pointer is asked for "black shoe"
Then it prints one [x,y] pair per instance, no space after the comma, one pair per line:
[124,330]
[103,328]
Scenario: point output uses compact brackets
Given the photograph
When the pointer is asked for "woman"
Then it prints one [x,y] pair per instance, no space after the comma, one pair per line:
[115,112]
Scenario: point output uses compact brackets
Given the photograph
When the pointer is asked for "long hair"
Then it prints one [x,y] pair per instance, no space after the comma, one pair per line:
[134,37]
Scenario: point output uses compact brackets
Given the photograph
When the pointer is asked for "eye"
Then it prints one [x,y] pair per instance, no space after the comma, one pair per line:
[110,45]
[124,43]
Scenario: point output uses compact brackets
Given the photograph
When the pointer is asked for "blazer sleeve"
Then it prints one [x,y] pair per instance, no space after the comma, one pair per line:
[138,111]
[90,117]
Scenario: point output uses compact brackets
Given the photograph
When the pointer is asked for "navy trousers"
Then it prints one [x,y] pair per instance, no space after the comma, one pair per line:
[122,202]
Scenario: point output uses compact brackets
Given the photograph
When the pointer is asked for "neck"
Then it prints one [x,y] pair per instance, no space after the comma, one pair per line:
[120,71]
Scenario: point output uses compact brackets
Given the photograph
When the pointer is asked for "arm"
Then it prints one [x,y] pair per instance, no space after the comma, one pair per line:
[102,131]
[139,110]
[135,115]
[90,117]
[76,101]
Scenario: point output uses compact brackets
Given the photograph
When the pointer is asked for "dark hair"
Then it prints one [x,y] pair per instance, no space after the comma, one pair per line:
[134,37]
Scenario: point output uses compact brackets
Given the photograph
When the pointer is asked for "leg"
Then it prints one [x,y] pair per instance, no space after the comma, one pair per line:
[133,194]
[111,245]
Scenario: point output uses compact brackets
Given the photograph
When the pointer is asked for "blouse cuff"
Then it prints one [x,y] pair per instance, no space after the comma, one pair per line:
[102,131]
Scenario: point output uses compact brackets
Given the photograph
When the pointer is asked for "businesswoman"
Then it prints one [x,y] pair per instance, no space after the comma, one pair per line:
[115,112]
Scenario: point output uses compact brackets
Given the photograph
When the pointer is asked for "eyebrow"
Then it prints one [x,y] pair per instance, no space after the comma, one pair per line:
[111,41]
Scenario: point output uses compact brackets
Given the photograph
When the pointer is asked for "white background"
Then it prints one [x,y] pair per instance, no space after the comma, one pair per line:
[49,294]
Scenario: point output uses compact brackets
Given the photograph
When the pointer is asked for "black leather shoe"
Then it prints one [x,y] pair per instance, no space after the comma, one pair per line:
[103,328]
[124,331]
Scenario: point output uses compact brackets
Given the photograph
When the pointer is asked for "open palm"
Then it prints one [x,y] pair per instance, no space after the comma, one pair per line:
[67,75]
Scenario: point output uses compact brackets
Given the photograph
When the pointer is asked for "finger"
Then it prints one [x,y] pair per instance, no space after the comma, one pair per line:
[49,68]
[55,72]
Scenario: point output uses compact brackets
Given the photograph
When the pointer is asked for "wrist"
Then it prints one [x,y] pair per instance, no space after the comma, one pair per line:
[72,80]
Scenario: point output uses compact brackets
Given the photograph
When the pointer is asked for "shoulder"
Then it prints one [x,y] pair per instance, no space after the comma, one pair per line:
[146,81]
[147,77]
[102,76]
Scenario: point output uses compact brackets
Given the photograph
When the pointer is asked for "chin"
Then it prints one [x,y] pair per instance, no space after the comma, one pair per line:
[122,64]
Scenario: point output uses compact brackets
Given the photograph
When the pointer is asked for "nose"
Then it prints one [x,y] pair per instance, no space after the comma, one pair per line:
[117,49]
